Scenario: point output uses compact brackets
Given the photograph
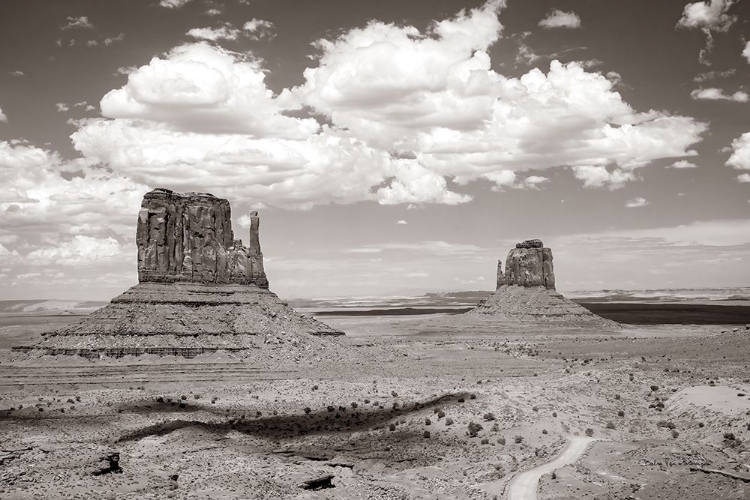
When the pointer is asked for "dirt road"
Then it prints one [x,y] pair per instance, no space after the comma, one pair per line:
[525,485]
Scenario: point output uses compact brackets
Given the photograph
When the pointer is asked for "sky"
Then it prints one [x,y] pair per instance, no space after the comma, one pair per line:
[391,147]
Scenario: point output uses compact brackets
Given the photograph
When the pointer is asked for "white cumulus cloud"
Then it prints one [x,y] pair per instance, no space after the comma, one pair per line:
[259,28]
[3,117]
[556,18]
[740,158]
[708,16]
[715,94]
[173,4]
[683,164]
[746,52]
[636,203]
[78,22]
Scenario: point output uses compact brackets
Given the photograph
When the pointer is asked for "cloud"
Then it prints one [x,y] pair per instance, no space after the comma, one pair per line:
[16,73]
[683,164]
[199,87]
[636,203]
[559,19]
[439,248]
[173,4]
[598,176]
[708,16]
[78,22]
[112,39]
[401,222]
[80,250]
[225,32]
[259,28]
[410,117]
[714,94]
[62,107]
[255,30]
[712,75]
[746,52]
[3,117]
[525,55]
[213,12]
[743,178]
[740,158]
[417,275]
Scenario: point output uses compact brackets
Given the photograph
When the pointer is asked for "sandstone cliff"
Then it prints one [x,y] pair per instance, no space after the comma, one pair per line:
[189,237]
[529,264]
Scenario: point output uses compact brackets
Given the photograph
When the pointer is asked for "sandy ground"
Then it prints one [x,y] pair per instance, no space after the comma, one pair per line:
[398,409]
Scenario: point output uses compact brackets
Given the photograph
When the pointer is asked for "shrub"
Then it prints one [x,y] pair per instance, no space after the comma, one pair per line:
[675,434]
[394,394]
[501,441]
[518,439]
[554,414]
[668,424]
[554,475]
[441,414]
[589,432]
[654,388]
[474,428]
[489,416]
[610,425]
[472,396]
[620,413]
[485,441]
[544,431]
[307,410]
[354,404]
[426,434]
[427,421]
[315,388]
[461,400]
[448,421]
[392,427]
[701,424]
[535,408]
[183,397]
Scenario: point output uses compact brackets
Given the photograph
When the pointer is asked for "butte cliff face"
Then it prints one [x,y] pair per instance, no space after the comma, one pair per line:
[529,264]
[526,292]
[199,290]
[189,237]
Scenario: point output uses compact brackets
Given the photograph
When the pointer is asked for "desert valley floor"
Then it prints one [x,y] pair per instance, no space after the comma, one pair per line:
[402,407]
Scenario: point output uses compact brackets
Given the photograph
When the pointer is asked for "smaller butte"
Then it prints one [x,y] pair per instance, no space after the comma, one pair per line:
[200,290]
[526,292]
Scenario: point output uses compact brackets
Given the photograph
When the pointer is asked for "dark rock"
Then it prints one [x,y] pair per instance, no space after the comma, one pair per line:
[188,237]
[535,243]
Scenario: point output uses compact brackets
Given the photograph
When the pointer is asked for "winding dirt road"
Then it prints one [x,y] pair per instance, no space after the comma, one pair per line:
[525,485]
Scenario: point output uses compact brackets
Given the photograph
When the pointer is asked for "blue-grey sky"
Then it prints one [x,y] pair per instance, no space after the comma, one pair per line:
[391,147]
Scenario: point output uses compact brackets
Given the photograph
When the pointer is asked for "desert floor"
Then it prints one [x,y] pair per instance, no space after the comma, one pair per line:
[403,407]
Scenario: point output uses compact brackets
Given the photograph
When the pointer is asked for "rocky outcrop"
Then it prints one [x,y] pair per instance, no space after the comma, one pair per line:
[526,293]
[189,237]
[199,291]
[529,264]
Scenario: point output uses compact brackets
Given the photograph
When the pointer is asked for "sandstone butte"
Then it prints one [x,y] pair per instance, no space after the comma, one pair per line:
[199,290]
[526,292]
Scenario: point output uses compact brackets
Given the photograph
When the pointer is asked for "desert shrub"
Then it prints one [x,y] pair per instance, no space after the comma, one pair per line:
[544,431]
[315,387]
[485,441]
[554,475]
[501,441]
[158,400]
[535,408]
[489,416]
[474,428]
[394,394]
[427,421]
[331,408]
[554,414]
[617,396]
[196,396]
[183,397]
[367,401]
[307,410]
[472,396]
[668,424]
[518,439]
[448,421]
[461,400]
[701,424]
[610,425]
[441,414]
[213,400]
[654,388]
[675,434]
[495,427]
[392,427]
[620,413]
[354,404]
[258,414]
[589,432]
[426,434]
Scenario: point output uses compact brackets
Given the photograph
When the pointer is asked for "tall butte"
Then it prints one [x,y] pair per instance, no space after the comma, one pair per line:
[199,290]
[526,292]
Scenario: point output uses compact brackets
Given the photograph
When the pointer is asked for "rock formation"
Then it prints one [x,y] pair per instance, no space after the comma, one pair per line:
[199,289]
[189,238]
[526,291]
[529,264]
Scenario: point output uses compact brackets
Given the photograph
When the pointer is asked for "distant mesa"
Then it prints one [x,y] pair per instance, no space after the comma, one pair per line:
[200,290]
[526,291]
